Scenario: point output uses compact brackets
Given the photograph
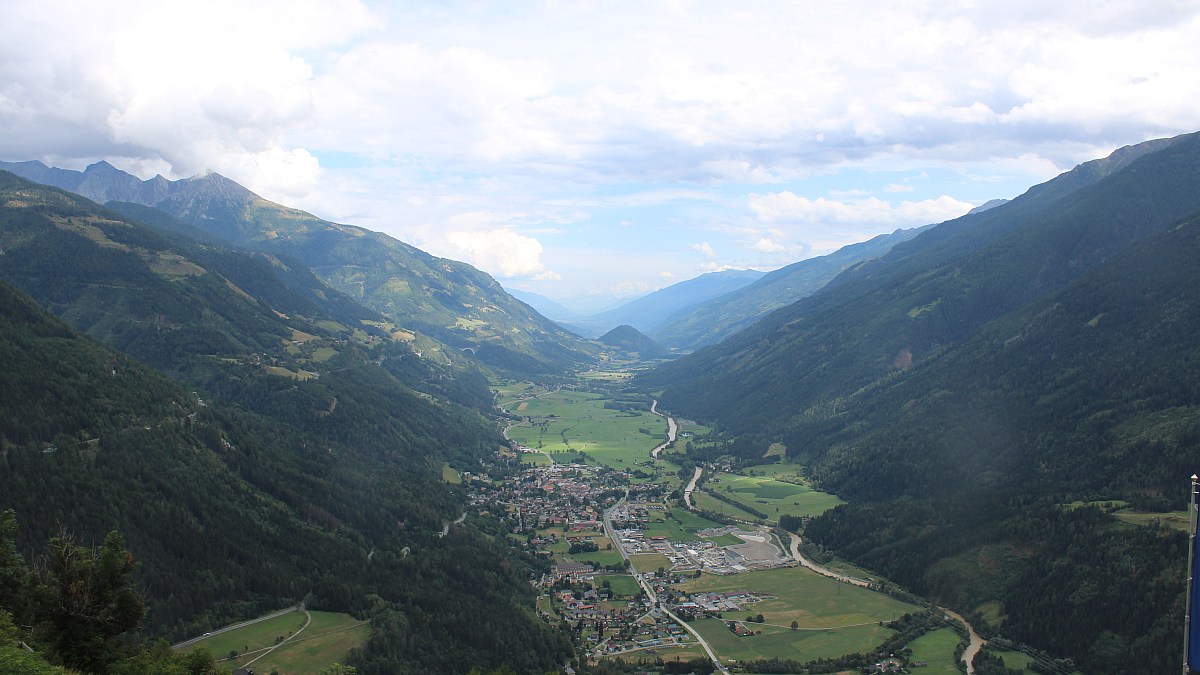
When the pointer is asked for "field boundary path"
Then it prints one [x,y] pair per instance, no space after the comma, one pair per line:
[243,624]
[283,642]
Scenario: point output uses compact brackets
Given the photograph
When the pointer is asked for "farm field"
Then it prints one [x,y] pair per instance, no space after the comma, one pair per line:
[649,657]
[327,640]
[622,585]
[680,525]
[936,648]
[804,596]
[601,557]
[1015,660]
[649,562]
[573,422]
[833,619]
[784,643]
[770,495]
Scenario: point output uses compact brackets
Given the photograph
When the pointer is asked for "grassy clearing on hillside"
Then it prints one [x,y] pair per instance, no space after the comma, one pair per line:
[328,639]
[1174,519]
[937,649]
[254,636]
[450,475]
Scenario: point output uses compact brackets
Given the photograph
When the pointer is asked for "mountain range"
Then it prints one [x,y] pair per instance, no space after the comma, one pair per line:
[982,392]
[654,309]
[296,455]
[968,386]
[446,300]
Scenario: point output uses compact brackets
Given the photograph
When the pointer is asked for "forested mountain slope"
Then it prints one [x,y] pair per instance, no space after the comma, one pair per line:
[297,448]
[963,388]
[447,300]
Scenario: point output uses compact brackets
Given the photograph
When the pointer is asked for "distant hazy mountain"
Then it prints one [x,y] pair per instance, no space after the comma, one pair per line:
[989,204]
[631,340]
[445,299]
[548,308]
[725,315]
[652,310]
[962,388]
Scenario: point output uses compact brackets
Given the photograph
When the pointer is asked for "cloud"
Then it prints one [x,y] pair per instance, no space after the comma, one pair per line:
[501,252]
[704,248]
[765,245]
[868,212]
[565,116]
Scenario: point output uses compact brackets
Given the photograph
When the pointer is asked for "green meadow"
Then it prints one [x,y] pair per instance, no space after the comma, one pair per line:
[936,648]
[328,639]
[766,493]
[833,619]
[679,524]
[573,422]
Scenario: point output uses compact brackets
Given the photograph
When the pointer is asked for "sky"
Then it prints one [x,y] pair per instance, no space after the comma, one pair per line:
[584,147]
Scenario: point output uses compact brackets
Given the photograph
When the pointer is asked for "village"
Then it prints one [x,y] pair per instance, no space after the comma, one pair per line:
[557,512]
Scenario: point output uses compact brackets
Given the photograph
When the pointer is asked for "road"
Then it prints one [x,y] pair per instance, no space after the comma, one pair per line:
[975,642]
[823,571]
[650,594]
[505,432]
[284,642]
[672,429]
[238,625]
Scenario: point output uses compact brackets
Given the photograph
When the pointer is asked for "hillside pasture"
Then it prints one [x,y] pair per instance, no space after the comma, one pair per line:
[328,639]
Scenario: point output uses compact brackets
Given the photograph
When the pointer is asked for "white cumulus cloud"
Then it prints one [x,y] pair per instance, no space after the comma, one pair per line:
[501,252]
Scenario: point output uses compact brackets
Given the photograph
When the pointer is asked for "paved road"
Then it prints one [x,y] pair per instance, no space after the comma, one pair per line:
[284,642]
[612,535]
[236,626]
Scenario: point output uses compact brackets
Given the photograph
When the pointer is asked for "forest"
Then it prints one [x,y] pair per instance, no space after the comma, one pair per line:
[235,489]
